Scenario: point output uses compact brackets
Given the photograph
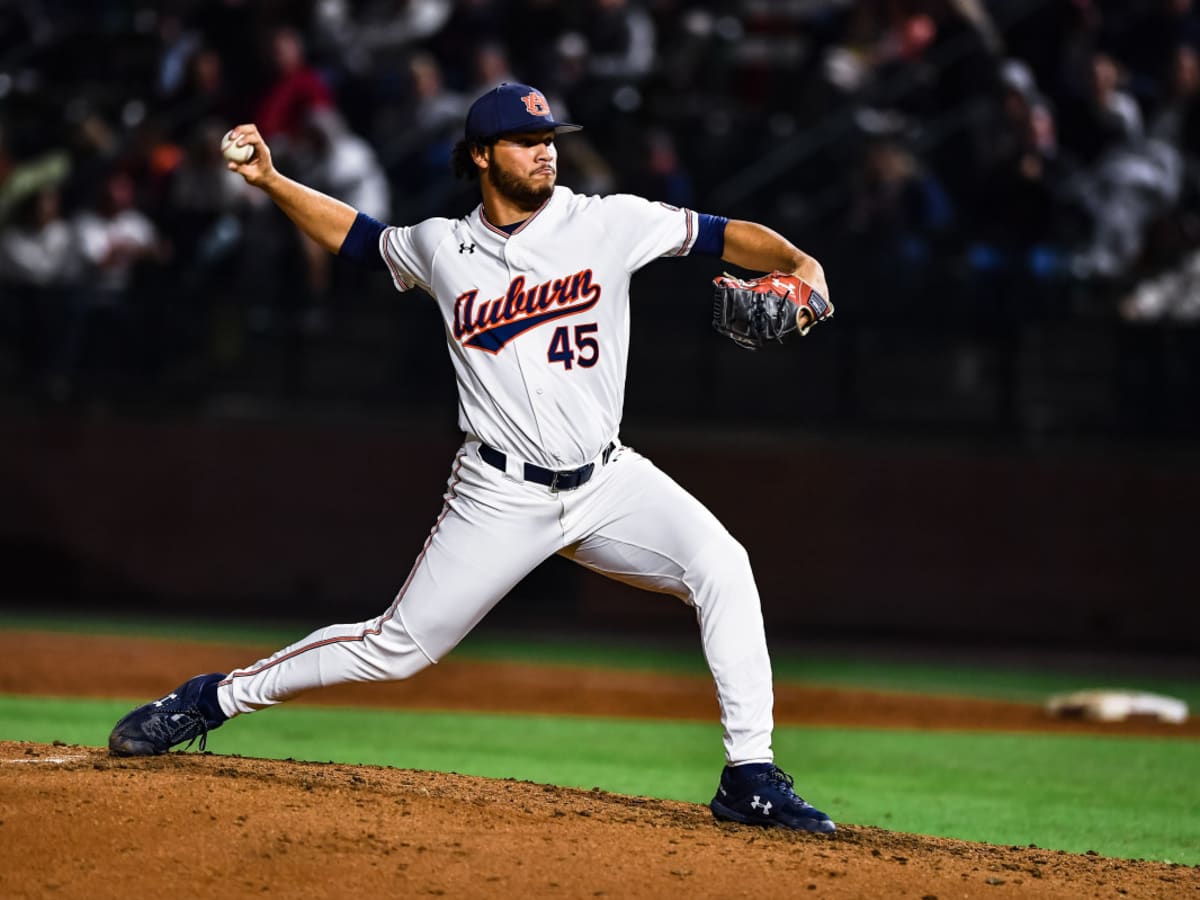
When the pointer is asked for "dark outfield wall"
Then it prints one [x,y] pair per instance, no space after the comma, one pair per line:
[857,539]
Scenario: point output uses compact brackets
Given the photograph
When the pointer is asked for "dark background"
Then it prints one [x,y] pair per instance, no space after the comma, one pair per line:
[992,443]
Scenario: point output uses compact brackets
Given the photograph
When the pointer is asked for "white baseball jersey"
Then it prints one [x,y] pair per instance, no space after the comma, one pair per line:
[538,321]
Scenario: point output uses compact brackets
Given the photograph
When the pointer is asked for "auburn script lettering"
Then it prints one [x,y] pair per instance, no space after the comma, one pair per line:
[490,324]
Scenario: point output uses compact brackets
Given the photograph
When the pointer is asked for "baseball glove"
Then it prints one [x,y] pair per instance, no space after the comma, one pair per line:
[757,311]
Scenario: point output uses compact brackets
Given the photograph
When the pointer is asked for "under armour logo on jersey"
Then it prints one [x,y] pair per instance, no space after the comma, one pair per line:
[493,323]
[464,247]
[535,104]
[757,803]
[165,699]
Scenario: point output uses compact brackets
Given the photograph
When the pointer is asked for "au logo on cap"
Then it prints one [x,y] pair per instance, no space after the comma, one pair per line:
[535,104]
[510,108]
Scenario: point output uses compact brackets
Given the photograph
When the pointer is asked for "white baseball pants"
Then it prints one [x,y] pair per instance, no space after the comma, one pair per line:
[630,522]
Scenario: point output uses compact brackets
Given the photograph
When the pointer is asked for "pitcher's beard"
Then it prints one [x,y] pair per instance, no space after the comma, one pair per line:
[523,194]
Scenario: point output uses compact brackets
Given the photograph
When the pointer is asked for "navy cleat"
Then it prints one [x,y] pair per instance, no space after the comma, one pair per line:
[190,711]
[761,794]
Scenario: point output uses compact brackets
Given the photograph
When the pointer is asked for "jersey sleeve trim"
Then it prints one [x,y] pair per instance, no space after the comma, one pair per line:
[689,238]
[404,282]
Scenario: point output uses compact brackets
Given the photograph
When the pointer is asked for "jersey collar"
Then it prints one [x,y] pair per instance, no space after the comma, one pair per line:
[501,233]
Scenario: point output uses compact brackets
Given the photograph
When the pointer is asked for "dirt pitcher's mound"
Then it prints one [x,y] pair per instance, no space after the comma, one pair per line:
[79,823]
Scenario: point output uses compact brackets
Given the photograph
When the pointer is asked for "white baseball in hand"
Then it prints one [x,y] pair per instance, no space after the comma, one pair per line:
[232,152]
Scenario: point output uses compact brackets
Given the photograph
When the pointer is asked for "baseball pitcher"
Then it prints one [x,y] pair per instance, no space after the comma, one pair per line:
[533,289]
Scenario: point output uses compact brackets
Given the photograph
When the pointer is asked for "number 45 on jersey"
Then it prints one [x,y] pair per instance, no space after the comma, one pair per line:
[574,345]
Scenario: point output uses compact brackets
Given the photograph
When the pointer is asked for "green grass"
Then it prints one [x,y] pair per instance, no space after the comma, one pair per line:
[1026,684]
[1129,797]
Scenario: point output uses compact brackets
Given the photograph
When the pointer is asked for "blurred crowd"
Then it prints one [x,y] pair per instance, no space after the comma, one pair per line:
[1053,142]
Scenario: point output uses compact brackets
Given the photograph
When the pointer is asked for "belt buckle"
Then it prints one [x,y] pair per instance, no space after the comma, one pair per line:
[554,483]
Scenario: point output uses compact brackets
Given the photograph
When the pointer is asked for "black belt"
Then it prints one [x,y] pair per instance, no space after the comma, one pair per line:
[566,480]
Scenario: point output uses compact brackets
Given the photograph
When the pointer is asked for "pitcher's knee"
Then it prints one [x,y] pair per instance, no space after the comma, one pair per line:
[723,566]
[394,653]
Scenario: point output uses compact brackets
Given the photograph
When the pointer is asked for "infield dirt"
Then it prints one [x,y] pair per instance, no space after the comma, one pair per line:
[75,822]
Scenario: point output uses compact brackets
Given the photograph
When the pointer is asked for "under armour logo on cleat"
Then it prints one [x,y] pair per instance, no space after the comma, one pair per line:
[165,699]
[757,803]
[464,247]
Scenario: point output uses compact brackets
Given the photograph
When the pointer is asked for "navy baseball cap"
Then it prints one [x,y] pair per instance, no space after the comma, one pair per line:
[509,108]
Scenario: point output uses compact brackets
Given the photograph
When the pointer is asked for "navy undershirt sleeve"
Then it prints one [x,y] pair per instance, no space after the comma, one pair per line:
[361,245]
[710,237]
